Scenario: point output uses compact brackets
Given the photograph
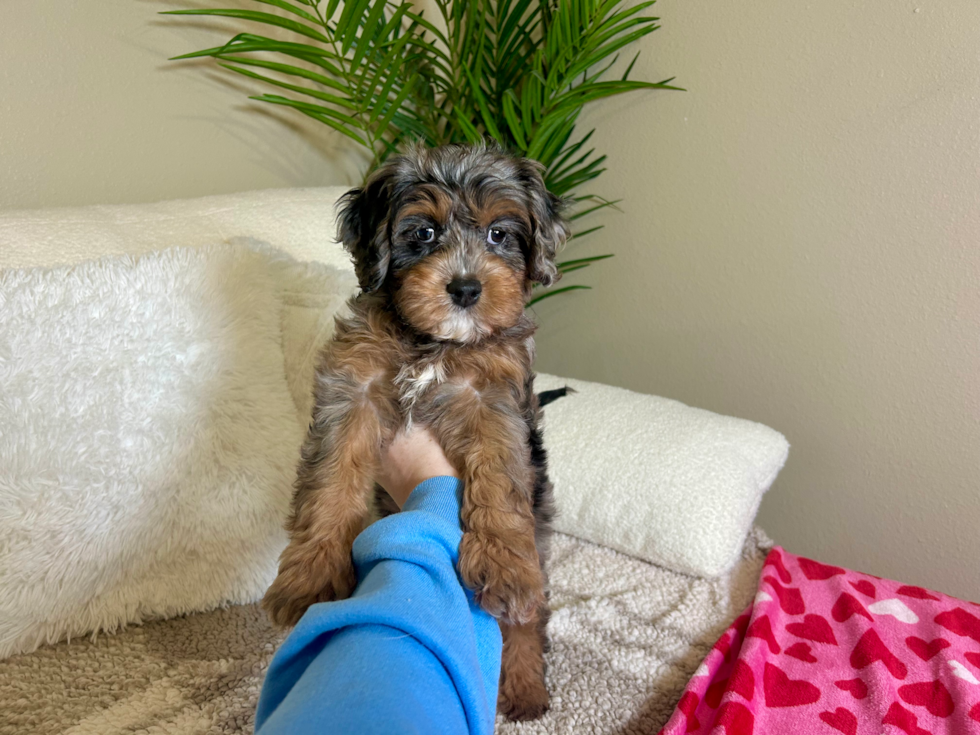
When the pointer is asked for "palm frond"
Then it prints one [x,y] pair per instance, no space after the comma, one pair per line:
[381,73]
[556,291]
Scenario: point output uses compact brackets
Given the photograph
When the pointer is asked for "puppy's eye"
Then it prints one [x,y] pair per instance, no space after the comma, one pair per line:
[495,236]
[425,234]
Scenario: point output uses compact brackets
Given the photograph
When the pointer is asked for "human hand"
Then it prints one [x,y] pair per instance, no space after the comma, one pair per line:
[410,458]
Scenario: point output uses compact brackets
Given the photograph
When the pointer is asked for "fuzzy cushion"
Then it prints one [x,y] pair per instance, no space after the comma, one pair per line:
[651,477]
[148,435]
[300,221]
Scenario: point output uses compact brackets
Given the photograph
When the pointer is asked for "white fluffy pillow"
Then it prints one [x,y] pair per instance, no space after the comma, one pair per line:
[653,478]
[300,221]
[148,435]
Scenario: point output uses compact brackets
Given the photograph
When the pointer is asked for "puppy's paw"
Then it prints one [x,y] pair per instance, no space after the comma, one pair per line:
[307,577]
[522,697]
[507,583]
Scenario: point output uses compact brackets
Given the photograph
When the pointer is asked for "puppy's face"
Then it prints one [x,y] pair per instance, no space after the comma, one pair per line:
[456,237]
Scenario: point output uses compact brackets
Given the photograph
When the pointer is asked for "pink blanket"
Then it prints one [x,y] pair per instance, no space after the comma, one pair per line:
[824,650]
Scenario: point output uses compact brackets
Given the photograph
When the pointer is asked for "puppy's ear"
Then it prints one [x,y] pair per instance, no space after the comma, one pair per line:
[363,228]
[550,230]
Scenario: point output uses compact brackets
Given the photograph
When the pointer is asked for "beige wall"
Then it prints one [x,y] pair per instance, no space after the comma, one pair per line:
[91,111]
[799,243]
[801,246]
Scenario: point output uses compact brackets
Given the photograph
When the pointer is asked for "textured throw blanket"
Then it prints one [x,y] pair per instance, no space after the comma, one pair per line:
[626,636]
[828,650]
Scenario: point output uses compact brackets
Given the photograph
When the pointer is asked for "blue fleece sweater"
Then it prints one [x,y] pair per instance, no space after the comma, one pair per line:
[409,652]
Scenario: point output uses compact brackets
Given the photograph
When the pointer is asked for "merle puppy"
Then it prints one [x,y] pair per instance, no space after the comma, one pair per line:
[447,244]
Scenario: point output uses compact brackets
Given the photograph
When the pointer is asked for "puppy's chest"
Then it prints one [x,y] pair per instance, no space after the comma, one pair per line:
[415,380]
[438,378]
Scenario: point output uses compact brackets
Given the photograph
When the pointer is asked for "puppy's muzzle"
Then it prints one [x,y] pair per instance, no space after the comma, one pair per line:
[464,291]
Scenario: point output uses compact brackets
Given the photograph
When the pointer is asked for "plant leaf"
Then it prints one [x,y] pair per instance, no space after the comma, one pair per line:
[382,126]
[349,21]
[579,261]
[583,233]
[485,115]
[510,113]
[335,119]
[573,268]
[289,69]
[256,16]
[556,291]
[590,210]
[289,7]
[370,28]
[316,94]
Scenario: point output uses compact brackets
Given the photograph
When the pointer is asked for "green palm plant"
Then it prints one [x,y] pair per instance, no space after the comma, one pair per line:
[382,73]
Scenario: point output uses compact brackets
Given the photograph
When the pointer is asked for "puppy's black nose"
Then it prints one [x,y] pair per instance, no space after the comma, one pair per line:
[465,291]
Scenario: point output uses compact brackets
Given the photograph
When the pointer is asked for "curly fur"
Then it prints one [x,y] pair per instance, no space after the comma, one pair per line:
[412,350]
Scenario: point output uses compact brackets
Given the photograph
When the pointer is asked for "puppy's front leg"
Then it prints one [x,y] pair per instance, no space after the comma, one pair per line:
[485,437]
[353,417]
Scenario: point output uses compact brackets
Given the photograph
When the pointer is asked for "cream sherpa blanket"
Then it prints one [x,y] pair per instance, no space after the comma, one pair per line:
[626,635]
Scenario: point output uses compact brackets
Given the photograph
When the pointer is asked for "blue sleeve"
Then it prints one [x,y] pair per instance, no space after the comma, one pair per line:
[409,652]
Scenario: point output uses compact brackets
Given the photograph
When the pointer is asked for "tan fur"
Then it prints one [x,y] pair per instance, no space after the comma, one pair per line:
[408,353]
[475,414]
[482,433]
[428,200]
[522,694]
[424,303]
[340,462]
[487,213]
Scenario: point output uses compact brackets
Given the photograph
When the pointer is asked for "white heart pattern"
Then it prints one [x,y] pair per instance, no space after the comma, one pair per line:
[962,672]
[762,596]
[896,608]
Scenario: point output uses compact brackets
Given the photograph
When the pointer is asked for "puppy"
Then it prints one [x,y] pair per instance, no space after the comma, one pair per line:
[447,244]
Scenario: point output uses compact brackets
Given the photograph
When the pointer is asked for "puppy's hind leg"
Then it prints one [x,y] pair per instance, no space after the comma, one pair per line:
[333,485]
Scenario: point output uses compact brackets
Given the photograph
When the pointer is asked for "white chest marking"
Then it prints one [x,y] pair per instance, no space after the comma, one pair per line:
[413,383]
